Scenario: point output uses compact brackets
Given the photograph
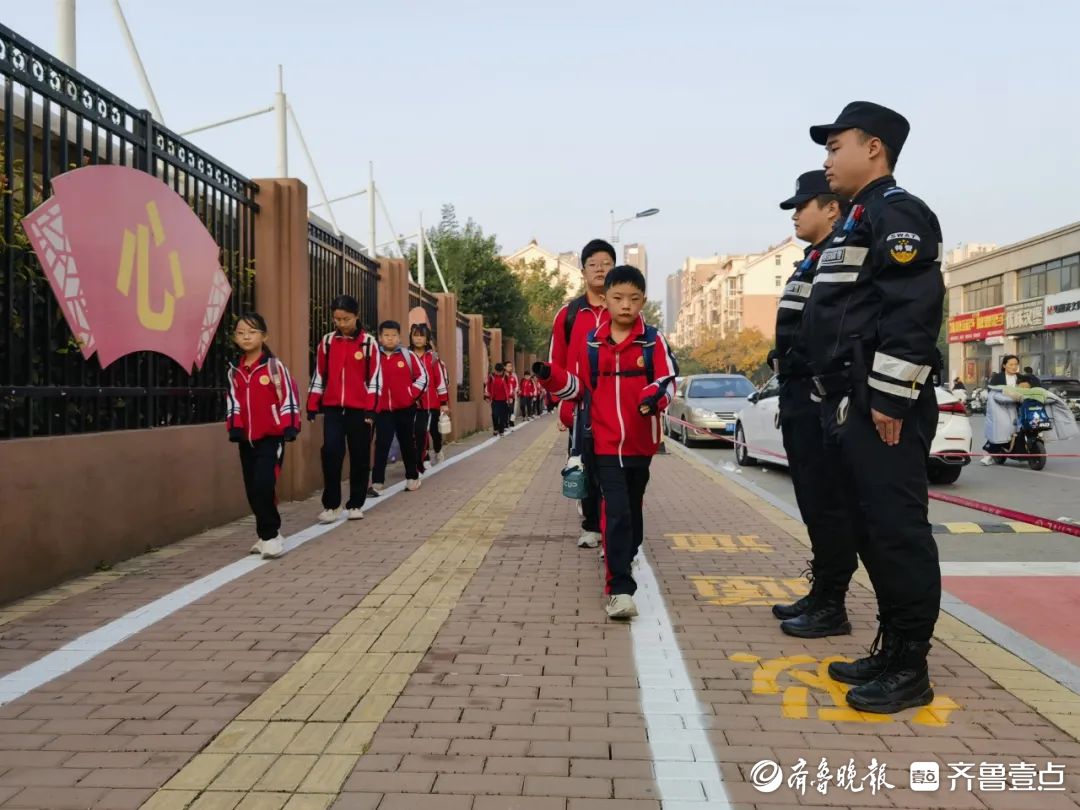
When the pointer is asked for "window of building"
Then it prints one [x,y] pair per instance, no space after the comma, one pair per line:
[1057,276]
[779,281]
[982,294]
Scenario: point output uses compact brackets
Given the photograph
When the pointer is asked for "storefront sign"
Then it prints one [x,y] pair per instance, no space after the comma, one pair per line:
[1024,317]
[1062,310]
[978,325]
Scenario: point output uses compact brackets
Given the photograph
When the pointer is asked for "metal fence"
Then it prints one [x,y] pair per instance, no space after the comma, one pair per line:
[419,297]
[463,353]
[53,119]
[337,267]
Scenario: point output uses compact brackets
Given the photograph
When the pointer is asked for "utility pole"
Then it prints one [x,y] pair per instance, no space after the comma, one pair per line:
[420,265]
[371,208]
[280,116]
[65,31]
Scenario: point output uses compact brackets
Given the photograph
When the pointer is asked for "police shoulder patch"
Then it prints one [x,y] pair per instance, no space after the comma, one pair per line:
[903,246]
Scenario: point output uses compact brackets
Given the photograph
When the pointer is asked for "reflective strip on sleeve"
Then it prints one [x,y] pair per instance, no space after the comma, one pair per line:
[796,305]
[836,278]
[898,369]
[896,390]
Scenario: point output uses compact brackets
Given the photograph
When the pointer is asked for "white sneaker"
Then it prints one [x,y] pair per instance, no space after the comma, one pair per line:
[329,515]
[378,487]
[621,606]
[987,461]
[412,484]
[257,548]
[273,548]
[440,457]
[356,514]
[589,540]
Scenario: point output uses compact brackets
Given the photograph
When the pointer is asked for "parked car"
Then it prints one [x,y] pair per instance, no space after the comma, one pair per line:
[1068,388]
[758,437]
[709,401]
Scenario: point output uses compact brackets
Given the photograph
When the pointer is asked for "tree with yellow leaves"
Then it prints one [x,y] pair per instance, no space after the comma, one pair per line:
[745,352]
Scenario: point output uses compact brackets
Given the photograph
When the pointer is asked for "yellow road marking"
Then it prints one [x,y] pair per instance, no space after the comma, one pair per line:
[746,590]
[725,543]
[303,736]
[963,527]
[1054,701]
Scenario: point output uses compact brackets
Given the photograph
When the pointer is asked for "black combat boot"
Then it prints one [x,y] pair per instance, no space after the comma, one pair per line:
[866,669]
[825,616]
[904,684]
[800,606]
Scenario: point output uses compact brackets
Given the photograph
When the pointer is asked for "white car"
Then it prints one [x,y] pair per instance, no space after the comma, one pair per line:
[758,438]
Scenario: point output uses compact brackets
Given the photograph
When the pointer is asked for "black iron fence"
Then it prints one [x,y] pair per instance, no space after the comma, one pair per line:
[53,119]
[336,266]
[463,353]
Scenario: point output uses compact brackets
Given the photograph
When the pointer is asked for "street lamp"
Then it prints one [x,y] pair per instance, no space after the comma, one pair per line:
[616,225]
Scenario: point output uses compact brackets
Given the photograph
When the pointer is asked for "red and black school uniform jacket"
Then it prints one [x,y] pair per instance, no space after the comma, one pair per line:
[404,379]
[262,399]
[497,388]
[435,394]
[621,435]
[515,385]
[348,373]
[528,389]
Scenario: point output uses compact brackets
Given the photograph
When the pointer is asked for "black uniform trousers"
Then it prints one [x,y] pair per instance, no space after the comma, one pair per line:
[820,501]
[885,494]
[500,415]
[623,491]
[343,427]
[388,424]
[433,429]
[420,429]
[261,463]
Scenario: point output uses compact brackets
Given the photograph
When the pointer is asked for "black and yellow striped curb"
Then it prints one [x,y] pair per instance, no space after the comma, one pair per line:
[1009,527]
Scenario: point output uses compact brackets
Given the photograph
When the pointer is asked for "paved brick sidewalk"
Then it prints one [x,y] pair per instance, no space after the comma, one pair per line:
[462,659]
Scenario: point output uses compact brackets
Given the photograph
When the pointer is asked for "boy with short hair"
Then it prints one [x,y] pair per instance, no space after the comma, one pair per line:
[404,382]
[626,378]
[497,392]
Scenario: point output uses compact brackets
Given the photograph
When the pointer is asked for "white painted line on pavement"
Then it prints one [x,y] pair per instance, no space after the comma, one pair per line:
[1010,569]
[1043,659]
[687,774]
[90,645]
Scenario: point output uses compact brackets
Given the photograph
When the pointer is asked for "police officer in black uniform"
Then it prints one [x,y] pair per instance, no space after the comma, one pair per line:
[822,612]
[870,330]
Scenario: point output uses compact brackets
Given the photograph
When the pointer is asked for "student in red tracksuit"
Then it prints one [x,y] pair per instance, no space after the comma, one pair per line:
[434,400]
[497,392]
[572,325]
[345,388]
[515,389]
[624,408]
[263,414]
[404,383]
[528,395]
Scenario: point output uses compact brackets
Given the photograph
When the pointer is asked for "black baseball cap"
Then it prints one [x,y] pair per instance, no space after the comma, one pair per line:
[881,122]
[809,185]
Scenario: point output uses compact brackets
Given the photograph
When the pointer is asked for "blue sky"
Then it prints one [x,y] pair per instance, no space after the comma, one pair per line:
[535,118]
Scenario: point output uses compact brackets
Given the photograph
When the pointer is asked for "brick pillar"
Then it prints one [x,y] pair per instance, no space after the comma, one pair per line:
[496,350]
[478,371]
[446,326]
[283,297]
[394,292]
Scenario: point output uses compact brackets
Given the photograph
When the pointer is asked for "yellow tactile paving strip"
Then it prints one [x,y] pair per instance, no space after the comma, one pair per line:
[1057,703]
[294,746]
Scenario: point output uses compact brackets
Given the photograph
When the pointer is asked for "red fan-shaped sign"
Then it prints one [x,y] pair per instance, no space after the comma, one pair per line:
[132,266]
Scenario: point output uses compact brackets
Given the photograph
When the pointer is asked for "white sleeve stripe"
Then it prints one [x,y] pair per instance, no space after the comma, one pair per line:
[895,390]
[798,306]
[898,369]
